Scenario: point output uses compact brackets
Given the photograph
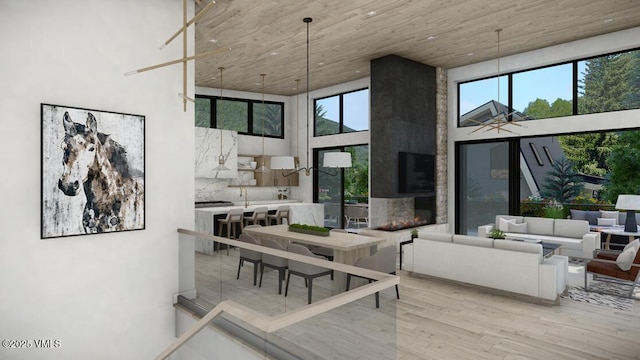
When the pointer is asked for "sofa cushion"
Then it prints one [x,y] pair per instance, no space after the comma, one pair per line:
[442,237]
[538,225]
[609,215]
[635,243]
[578,214]
[592,217]
[519,219]
[570,228]
[625,259]
[521,246]
[472,240]
[503,224]
[607,222]
[518,228]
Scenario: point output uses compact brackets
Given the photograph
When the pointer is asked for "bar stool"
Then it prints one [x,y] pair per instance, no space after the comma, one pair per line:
[259,215]
[234,216]
[283,212]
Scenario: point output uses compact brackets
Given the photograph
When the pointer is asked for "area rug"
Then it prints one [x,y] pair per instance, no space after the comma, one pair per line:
[601,294]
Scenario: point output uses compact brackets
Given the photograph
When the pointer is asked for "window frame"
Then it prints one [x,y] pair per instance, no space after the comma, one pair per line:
[213,99]
[575,85]
[341,112]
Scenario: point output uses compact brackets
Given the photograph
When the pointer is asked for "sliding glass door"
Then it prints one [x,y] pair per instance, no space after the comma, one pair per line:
[344,193]
[482,183]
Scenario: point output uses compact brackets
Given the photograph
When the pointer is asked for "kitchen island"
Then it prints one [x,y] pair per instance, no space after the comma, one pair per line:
[206,218]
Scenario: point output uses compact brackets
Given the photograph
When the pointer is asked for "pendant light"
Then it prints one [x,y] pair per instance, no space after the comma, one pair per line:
[500,119]
[262,168]
[221,158]
[332,162]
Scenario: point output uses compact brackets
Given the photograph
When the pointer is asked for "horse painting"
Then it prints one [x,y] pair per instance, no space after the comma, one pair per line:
[97,165]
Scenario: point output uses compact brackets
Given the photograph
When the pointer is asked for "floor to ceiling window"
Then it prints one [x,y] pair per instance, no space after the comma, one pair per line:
[483,184]
[344,192]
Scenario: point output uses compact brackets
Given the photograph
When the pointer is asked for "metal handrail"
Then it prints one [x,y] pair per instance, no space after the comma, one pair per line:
[269,324]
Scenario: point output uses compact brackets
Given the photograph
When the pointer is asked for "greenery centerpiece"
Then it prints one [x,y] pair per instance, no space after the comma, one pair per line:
[309,229]
[497,234]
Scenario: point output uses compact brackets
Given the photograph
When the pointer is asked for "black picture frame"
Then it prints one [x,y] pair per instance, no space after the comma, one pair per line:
[92,171]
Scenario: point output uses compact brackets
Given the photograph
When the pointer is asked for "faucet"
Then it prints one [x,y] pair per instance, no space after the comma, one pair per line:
[246,196]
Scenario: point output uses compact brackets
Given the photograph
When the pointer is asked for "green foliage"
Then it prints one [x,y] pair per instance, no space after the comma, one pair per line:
[562,183]
[624,165]
[555,210]
[589,152]
[356,178]
[540,108]
[497,234]
[309,227]
[607,81]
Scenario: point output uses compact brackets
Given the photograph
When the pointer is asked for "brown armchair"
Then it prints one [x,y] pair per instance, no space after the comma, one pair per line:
[604,264]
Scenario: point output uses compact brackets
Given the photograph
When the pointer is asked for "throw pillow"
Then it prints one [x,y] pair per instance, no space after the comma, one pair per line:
[592,217]
[606,222]
[635,244]
[609,215]
[625,259]
[504,224]
[518,228]
[578,214]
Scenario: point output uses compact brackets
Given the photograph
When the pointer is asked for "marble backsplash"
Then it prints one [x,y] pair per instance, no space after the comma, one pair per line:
[207,151]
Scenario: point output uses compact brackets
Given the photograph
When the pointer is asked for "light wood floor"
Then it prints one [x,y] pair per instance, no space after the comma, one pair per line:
[434,319]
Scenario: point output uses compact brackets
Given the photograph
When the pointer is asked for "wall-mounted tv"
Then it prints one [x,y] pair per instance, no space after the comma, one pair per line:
[416,173]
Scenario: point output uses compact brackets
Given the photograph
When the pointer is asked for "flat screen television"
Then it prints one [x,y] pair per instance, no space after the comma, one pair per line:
[416,173]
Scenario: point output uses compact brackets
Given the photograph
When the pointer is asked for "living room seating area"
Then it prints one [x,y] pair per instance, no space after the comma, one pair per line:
[575,236]
[513,266]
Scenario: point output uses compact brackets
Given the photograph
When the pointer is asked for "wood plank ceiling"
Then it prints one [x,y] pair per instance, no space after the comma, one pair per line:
[269,36]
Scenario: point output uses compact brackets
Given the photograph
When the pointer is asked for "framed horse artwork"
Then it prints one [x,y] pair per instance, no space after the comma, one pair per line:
[92,171]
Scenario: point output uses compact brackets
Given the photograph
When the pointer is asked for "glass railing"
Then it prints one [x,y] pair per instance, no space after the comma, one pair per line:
[336,325]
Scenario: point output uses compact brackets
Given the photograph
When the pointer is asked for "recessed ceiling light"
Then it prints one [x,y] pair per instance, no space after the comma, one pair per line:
[470,54]
[608,20]
[213,41]
[357,71]
[320,63]
[431,37]
[372,13]
[274,53]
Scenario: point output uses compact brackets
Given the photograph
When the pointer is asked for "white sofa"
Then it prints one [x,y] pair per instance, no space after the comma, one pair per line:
[514,266]
[574,235]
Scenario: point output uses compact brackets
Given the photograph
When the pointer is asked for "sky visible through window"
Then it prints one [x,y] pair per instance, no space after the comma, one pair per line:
[357,112]
[545,83]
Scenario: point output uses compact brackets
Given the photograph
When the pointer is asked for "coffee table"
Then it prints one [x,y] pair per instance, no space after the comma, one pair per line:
[548,249]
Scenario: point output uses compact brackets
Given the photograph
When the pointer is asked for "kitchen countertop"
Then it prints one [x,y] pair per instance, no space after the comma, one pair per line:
[271,205]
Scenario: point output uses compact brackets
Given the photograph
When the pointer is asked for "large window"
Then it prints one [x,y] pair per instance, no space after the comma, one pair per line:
[248,117]
[600,84]
[346,195]
[342,113]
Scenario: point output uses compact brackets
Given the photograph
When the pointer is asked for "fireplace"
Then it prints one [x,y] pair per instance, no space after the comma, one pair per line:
[402,224]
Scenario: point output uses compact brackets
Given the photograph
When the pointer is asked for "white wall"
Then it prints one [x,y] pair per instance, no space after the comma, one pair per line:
[105,296]
[603,44]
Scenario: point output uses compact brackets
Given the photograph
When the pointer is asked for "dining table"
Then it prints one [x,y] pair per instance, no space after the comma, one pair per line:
[347,247]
